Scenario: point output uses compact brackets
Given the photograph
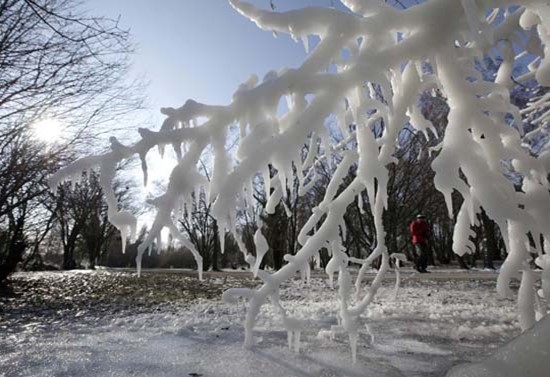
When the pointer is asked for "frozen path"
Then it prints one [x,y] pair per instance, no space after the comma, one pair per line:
[433,326]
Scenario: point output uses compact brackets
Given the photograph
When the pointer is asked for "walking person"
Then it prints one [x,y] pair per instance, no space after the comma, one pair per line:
[420,231]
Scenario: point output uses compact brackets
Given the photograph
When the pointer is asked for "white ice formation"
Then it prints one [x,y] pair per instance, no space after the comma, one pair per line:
[368,68]
[526,355]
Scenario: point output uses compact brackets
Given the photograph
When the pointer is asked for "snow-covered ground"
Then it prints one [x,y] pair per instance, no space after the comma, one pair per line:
[433,325]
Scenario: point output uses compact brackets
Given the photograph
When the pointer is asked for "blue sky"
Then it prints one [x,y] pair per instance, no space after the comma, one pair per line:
[200,49]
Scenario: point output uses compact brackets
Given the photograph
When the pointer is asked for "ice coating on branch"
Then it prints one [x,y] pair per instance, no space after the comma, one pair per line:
[526,298]
[517,254]
[349,318]
[124,221]
[543,262]
[305,269]
[339,258]
[261,249]
[372,93]
[398,258]
[525,355]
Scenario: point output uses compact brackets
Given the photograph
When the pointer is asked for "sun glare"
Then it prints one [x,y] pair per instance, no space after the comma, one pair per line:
[47,130]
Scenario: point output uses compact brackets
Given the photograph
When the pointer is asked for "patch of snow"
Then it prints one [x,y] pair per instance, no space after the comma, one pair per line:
[527,355]
[414,336]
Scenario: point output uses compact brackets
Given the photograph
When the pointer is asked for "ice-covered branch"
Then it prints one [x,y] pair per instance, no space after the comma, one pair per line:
[368,69]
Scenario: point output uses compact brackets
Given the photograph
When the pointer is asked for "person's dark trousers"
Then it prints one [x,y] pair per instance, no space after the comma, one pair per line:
[422,259]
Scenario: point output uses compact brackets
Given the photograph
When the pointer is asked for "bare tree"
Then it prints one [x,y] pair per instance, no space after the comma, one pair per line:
[202,230]
[59,62]
[56,62]
[201,227]
[23,172]
[81,218]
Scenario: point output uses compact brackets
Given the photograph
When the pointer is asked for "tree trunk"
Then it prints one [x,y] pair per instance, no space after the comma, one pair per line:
[489,244]
[462,262]
[277,228]
[216,250]
[203,250]
[68,260]
[68,250]
[430,251]
[16,247]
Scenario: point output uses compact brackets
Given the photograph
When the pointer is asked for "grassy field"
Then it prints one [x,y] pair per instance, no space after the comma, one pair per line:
[50,297]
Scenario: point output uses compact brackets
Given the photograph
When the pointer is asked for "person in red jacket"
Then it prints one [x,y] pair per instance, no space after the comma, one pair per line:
[420,231]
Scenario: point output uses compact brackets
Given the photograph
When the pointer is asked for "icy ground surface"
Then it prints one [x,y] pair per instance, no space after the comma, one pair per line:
[176,326]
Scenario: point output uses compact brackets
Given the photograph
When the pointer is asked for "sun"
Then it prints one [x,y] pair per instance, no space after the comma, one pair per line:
[47,130]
